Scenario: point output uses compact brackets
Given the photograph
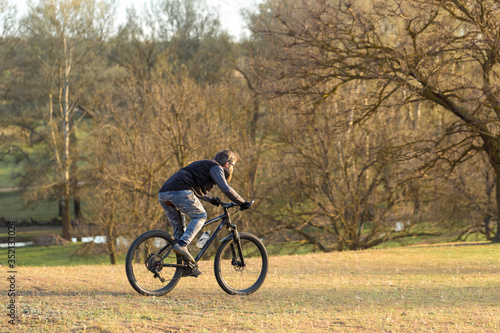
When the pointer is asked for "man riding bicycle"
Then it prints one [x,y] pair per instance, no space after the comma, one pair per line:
[182,191]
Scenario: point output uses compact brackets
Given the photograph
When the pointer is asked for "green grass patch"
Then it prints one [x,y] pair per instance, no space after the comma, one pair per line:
[30,233]
[7,168]
[13,207]
[429,240]
[64,255]
[290,248]
[59,255]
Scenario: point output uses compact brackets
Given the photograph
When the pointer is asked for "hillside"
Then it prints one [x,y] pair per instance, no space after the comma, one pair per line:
[435,289]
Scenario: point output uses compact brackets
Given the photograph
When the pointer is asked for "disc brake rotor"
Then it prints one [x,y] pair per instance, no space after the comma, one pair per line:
[237,265]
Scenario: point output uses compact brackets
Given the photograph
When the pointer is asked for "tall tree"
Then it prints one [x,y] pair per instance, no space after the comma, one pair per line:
[65,38]
[186,34]
[8,27]
[444,52]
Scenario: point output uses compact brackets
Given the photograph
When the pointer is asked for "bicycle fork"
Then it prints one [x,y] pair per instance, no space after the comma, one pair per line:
[239,248]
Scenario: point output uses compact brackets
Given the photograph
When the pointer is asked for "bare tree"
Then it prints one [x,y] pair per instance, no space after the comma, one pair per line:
[467,192]
[8,27]
[141,137]
[187,34]
[109,219]
[63,37]
[443,52]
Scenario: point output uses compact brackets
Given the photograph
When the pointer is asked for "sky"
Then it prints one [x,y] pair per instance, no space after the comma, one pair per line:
[229,13]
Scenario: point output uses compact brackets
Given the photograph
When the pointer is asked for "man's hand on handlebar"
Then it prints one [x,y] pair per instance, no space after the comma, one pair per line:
[215,201]
[243,206]
[246,205]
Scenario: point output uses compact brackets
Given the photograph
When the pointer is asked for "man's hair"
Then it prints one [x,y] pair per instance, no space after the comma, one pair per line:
[225,156]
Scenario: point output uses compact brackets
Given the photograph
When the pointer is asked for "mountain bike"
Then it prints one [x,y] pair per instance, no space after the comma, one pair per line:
[240,263]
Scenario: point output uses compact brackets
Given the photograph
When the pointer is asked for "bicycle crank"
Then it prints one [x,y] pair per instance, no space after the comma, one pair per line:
[191,269]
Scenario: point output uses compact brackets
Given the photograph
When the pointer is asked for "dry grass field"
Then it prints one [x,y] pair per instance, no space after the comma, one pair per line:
[427,289]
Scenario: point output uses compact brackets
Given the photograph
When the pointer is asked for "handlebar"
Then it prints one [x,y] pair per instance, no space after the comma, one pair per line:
[232,204]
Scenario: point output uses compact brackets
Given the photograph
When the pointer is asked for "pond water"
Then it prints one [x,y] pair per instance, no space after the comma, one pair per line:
[96,239]
[17,244]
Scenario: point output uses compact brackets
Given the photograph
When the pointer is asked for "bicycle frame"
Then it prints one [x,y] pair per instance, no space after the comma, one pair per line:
[226,221]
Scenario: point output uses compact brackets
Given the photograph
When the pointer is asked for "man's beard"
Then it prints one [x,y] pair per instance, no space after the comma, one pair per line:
[228,175]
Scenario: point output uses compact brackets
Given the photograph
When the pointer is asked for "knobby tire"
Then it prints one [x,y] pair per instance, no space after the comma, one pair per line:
[232,277]
[141,253]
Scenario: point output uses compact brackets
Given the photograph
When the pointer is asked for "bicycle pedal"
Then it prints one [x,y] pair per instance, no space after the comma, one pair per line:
[194,273]
[197,273]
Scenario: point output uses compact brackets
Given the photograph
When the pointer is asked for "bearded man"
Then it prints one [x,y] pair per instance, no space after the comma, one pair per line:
[182,193]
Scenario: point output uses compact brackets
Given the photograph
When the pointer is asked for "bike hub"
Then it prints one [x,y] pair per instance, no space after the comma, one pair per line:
[154,263]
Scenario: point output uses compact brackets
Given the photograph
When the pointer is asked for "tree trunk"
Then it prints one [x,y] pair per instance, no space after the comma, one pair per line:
[60,205]
[496,239]
[74,180]
[112,251]
[487,231]
[77,206]
[494,153]
[111,241]
[66,219]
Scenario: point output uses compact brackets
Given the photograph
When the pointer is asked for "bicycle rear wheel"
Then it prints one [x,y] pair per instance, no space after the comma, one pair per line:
[144,264]
[232,276]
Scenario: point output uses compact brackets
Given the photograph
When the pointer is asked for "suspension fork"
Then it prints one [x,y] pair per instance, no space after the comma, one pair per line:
[234,230]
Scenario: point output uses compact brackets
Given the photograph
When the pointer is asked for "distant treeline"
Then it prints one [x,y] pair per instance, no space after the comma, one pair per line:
[350,117]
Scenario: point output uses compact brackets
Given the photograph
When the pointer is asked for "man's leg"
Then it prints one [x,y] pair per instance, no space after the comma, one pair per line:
[173,215]
[187,203]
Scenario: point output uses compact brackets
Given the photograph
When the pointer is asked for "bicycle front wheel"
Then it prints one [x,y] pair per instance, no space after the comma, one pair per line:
[145,262]
[234,277]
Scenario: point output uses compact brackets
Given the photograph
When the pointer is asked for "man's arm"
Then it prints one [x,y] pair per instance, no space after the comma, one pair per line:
[206,198]
[217,174]
[214,201]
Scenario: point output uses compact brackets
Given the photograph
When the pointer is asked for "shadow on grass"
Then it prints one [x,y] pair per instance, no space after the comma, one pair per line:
[402,295]
[46,293]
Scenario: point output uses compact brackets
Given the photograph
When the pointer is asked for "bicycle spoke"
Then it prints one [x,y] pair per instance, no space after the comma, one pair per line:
[145,265]
[236,278]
